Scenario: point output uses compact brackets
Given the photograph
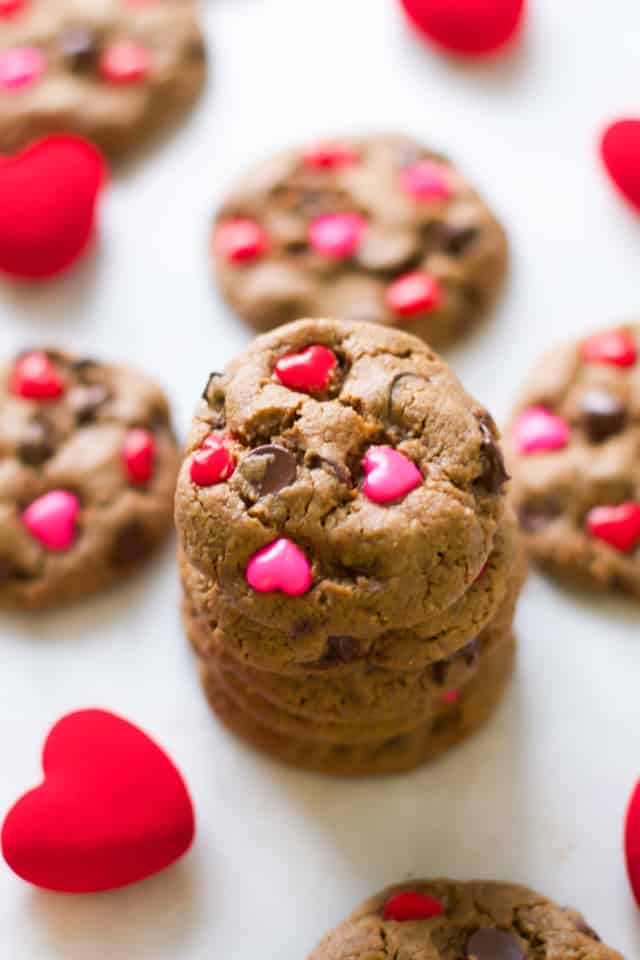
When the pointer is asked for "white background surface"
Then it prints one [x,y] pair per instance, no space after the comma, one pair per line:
[539,797]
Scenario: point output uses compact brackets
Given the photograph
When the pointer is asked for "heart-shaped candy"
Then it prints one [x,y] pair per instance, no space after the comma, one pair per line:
[52,519]
[614,347]
[620,149]
[632,841]
[280,566]
[618,526]
[240,240]
[427,181]
[538,431]
[310,369]
[329,155]
[337,235]
[411,905]
[9,7]
[213,462]
[389,475]
[48,198]
[470,28]
[34,377]
[112,809]
[413,293]
[138,454]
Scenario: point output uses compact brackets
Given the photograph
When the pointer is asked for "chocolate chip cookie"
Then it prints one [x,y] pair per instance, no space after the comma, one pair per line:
[448,920]
[88,463]
[375,228]
[574,447]
[398,490]
[113,71]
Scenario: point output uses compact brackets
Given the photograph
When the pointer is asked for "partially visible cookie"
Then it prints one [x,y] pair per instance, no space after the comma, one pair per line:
[374,228]
[113,71]
[450,920]
[88,463]
[574,450]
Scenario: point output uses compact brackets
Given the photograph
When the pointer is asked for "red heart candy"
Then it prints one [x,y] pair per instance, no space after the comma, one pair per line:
[411,905]
[8,7]
[620,150]
[35,377]
[240,240]
[138,454]
[48,197]
[212,463]
[412,293]
[310,369]
[615,347]
[632,841]
[471,28]
[112,809]
[618,526]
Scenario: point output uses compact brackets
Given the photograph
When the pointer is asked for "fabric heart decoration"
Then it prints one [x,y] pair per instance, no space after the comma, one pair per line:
[471,28]
[112,809]
[48,198]
[632,841]
[620,150]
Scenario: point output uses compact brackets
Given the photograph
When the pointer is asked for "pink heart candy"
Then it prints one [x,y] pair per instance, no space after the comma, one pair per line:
[280,566]
[538,431]
[51,519]
[389,475]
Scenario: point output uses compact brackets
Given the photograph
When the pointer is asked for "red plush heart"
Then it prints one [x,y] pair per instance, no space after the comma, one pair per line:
[620,149]
[112,809]
[470,28]
[48,197]
[632,842]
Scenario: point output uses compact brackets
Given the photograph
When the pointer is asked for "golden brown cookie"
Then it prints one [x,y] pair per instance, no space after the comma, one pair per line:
[374,228]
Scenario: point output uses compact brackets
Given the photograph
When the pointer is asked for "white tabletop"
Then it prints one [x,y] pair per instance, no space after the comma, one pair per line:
[539,797]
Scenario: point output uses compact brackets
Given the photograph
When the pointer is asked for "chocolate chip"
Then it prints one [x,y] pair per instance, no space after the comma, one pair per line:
[401,390]
[439,671]
[36,445]
[131,545]
[207,392]
[79,48]
[270,469]
[492,944]
[471,653]
[83,365]
[535,517]
[456,241]
[197,49]
[494,475]
[601,415]
[339,470]
[339,650]
[85,402]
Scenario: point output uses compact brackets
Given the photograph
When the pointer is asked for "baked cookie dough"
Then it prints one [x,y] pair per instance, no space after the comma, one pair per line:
[448,920]
[455,719]
[376,228]
[574,449]
[339,478]
[88,463]
[113,71]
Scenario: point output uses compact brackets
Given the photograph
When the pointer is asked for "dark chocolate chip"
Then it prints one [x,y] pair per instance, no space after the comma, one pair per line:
[339,470]
[493,944]
[601,415]
[339,650]
[197,49]
[494,475]
[456,241]
[271,469]
[131,545]
[36,445]
[439,671]
[535,517]
[471,653]
[79,48]
[85,401]
[83,365]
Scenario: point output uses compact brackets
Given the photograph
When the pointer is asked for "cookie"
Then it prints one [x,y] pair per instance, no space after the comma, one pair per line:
[446,919]
[88,463]
[454,721]
[337,479]
[361,707]
[574,448]
[375,228]
[114,71]
[307,649]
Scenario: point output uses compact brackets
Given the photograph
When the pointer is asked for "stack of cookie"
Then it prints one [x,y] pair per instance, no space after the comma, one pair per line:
[349,563]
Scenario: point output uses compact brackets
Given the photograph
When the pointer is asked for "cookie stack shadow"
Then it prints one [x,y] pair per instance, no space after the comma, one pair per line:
[397,688]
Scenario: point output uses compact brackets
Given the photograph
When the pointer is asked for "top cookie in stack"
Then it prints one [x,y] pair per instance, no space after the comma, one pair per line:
[366,483]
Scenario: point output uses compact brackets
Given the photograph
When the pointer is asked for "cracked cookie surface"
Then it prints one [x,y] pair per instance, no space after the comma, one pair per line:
[574,449]
[378,565]
[88,463]
[448,920]
[376,229]
[113,71]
